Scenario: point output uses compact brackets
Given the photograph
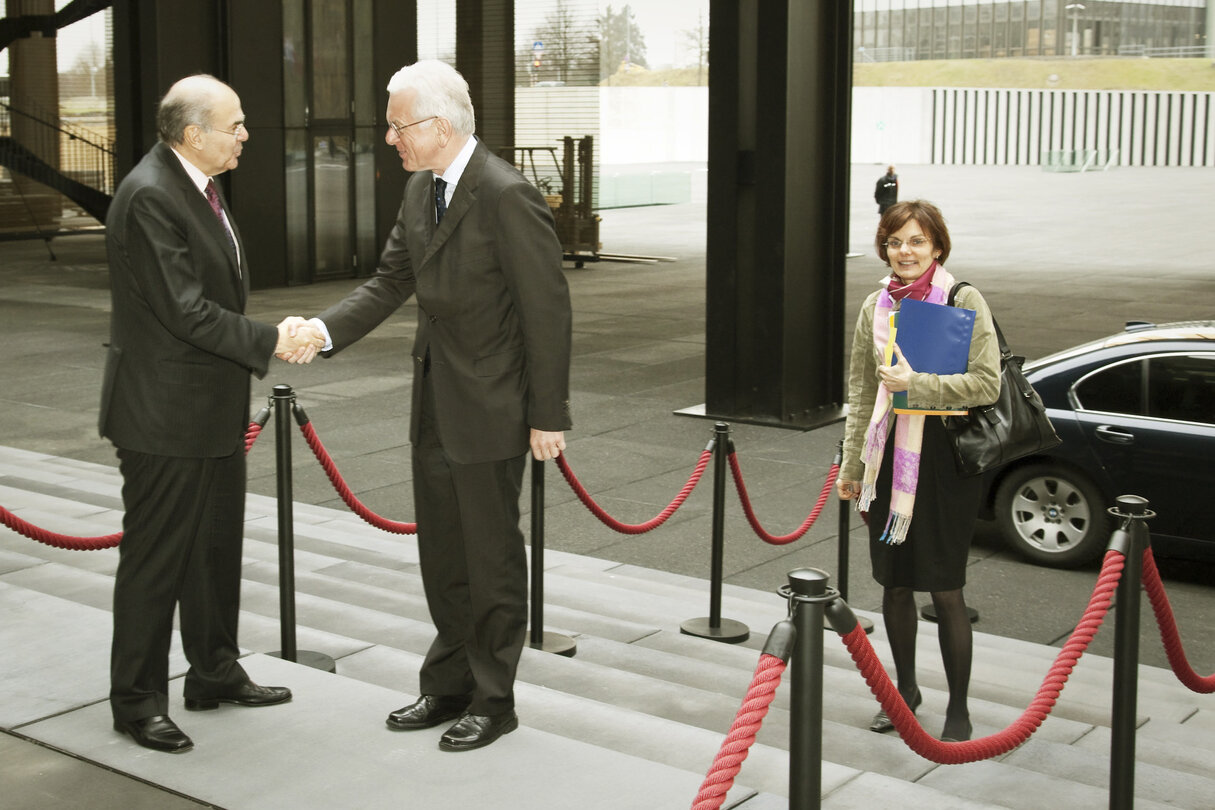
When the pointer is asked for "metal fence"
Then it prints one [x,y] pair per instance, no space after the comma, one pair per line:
[1025,127]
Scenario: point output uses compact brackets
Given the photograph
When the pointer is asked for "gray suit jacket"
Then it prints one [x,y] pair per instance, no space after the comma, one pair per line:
[494,309]
[177,370]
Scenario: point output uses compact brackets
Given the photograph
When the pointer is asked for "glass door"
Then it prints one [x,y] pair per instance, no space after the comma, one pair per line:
[329,125]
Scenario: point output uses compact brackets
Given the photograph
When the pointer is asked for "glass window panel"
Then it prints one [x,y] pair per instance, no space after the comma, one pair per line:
[331,205]
[368,88]
[366,140]
[295,165]
[437,30]
[1182,387]
[295,73]
[330,62]
[1115,389]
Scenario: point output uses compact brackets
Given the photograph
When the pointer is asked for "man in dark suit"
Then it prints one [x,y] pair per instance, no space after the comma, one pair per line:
[175,403]
[476,243]
[886,190]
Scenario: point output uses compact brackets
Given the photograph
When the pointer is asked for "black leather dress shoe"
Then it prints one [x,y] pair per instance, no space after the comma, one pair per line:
[158,733]
[428,711]
[247,694]
[477,730]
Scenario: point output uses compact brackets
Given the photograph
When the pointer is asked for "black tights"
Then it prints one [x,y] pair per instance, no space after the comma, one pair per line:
[956,640]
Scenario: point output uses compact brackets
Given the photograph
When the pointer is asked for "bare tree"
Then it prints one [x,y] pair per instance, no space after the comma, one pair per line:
[698,40]
[570,50]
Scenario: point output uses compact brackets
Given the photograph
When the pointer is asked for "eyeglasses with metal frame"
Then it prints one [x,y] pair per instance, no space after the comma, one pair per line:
[915,243]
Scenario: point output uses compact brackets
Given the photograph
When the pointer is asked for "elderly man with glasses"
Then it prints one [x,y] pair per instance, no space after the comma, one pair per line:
[175,403]
[476,243]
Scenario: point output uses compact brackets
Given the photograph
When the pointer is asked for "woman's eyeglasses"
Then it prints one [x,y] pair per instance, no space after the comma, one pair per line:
[915,243]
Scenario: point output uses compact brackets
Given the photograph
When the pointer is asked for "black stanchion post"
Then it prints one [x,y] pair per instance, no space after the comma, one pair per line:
[808,594]
[283,399]
[284,402]
[541,640]
[844,543]
[1133,511]
[841,565]
[714,626]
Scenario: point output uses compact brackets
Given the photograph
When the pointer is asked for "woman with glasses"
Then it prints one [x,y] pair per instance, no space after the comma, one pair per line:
[900,467]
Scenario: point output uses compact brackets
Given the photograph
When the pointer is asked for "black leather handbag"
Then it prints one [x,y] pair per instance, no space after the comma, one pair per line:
[1012,427]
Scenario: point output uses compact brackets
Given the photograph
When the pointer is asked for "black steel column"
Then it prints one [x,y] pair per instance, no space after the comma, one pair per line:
[485,56]
[779,101]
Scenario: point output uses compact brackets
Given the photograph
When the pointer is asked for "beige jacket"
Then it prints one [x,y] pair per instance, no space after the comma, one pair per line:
[980,385]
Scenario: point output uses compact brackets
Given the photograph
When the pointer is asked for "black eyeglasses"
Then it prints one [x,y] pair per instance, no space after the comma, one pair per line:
[400,128]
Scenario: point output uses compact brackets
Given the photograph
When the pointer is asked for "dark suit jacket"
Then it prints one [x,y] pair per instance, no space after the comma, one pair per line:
[493,309]
[177,373]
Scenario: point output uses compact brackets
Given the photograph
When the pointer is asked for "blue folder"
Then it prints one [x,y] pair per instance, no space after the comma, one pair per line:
[934,338]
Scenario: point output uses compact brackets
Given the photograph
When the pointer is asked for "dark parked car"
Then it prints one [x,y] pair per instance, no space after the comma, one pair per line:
[1136,412]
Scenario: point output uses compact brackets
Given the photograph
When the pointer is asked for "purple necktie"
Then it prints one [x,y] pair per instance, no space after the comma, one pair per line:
[213,198]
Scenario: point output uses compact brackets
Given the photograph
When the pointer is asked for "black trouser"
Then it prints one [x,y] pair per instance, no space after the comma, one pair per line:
[181,543]
[474,570]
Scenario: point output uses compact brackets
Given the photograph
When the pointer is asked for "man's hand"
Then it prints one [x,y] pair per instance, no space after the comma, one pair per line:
[298,340]
[547,444]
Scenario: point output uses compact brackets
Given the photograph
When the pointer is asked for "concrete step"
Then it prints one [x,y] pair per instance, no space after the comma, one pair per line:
[638,688]
[335,725]
[1166,784]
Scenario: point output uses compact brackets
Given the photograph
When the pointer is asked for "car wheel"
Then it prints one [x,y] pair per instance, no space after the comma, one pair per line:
[1052,515]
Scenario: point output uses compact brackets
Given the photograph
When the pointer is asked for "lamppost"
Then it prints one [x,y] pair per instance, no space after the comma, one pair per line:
[1075,8]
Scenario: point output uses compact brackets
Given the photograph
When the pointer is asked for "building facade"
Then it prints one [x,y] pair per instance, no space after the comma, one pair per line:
[907,30]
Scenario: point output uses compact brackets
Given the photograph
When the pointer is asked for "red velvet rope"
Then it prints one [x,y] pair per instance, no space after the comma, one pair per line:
[634,528]
[1169,634]
[781,540]
[56,540]
[1019,730]
[738,742]
[251,435]
[335,478]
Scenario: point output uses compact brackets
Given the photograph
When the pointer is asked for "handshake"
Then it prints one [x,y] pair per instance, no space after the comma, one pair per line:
[298,340]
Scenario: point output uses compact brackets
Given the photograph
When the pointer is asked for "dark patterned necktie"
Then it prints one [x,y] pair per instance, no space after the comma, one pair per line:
[213,198]
[440,199]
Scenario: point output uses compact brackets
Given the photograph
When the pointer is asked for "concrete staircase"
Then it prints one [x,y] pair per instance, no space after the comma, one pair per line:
[633,720]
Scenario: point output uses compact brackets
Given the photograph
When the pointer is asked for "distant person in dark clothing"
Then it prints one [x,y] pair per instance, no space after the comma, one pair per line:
[886,193]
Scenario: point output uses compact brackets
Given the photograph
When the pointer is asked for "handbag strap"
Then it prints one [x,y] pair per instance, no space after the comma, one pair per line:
[1005,352]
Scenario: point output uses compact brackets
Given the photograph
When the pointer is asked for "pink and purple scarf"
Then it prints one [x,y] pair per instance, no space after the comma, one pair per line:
[934,287]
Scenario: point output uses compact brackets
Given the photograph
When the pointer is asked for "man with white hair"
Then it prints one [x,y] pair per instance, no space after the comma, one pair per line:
[476,243]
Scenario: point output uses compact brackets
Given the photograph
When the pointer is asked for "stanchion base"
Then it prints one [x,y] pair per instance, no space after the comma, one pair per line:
[729,631]
[557,644]
[865,624]
[929,612]
[312,659]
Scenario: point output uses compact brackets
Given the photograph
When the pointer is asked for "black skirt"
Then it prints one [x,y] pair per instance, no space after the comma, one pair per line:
[934,555]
